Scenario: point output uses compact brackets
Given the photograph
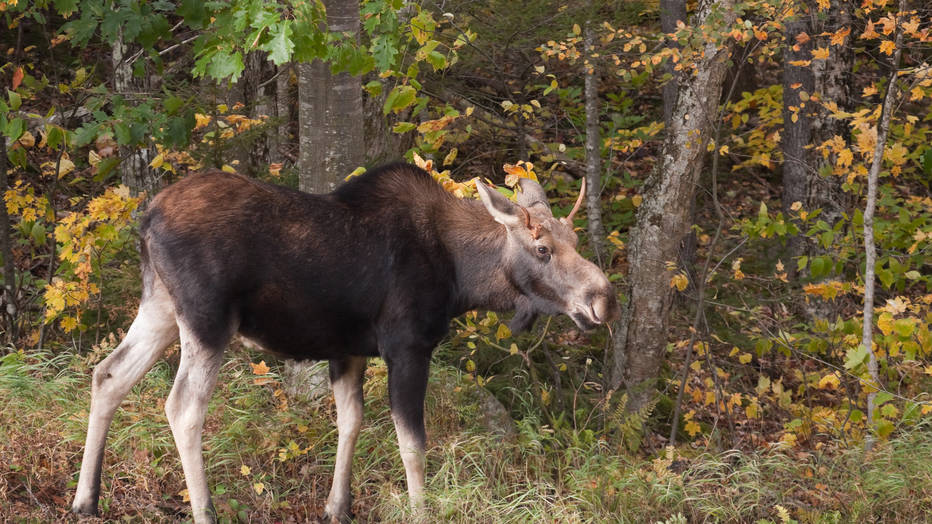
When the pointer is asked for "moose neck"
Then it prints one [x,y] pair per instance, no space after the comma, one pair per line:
[478,246]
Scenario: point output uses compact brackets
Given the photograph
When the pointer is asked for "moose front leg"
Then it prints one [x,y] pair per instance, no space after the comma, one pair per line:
[407,386]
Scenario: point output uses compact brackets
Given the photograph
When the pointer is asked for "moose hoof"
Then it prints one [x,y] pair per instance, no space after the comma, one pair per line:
[338,514]
[84,508]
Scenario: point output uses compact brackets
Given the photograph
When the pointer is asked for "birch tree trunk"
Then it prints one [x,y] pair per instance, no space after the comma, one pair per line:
[331,146]
[330,113]
[870,250]
[663,217]
[671,12]
[135,172]
[593,142]
[10,309]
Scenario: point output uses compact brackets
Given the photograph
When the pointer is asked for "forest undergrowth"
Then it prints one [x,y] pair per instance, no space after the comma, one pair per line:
[270,460]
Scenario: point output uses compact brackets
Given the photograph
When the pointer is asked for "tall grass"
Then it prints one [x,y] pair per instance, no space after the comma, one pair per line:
[271,462]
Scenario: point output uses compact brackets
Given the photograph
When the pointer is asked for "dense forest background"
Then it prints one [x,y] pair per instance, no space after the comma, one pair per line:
[759,177]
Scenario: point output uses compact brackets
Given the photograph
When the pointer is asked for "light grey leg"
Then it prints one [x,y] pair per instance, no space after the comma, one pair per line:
[346,379]
[151,332]
[186,408]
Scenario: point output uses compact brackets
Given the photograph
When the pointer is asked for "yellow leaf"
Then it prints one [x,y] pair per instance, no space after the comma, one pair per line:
[869,90]
[157,161]
[275,169]
[451,156]
[502,332]
[885,323]
[69,323]
[545,397]
[734,351]
[745,358]
[27,140]
[820,53]
[887,47]
[201,121]
[245,470]
[679,281]
[184,496]
[227,168]
[692,428]
[829,381]
[513,349]
[259,369]
[723,150]
[636,200]
[869,32]
[258,487]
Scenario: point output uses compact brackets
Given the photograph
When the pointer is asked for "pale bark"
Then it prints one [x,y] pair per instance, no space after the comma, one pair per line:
[135,172]
[281,136]
[663,217]
[9,312]
[593,143]
[671,12]
[870,250]
[330,115]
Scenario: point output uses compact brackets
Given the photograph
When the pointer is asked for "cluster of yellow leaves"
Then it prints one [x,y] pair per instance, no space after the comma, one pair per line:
[628,140]
[459,189]
[82,236]
[22,201]
[828,289]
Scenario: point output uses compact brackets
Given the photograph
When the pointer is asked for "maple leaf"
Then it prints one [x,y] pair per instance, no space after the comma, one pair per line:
[870,90]
[259,369]
[888,23]
[839,37]
[887,47]
[869,32]
[820,53]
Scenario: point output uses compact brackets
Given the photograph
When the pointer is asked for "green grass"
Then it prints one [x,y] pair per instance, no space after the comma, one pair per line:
[473,476]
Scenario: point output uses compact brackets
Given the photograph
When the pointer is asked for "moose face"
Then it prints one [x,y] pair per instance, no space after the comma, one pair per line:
[542,262]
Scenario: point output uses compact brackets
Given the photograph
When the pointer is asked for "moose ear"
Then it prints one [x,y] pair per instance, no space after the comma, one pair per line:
[502,210]
[532,195]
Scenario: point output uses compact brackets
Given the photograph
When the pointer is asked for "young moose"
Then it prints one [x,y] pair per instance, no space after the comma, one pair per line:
[376,268]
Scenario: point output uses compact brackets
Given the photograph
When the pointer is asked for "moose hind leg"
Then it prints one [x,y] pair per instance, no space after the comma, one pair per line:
[151,332]
[186,408]
[407,386]
[346,379]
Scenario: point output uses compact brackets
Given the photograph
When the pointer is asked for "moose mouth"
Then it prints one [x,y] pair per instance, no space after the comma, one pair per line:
[585,317]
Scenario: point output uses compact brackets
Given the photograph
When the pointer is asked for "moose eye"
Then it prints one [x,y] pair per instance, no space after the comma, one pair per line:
[544,253]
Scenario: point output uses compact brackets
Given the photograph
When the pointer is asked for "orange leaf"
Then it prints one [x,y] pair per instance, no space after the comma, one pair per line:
[259,369]
[887,47]
[820,53]
[869,32]
[17,77]
[838,38]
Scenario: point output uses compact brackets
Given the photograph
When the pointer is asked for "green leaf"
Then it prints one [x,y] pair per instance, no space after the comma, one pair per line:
[855,356]
[280,46]
[225,66]
[15,100]
[403,127]
[15,128]
[374,88]
[904,327]
[801,263]
[882,398]
[399,98]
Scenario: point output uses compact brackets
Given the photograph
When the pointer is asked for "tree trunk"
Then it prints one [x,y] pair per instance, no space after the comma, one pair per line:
[593,142]
[671,12]
[797,124]
[331,147]
[9,312]
[870,250]
[663,217]
[135,172]
[331,123]
[281,136]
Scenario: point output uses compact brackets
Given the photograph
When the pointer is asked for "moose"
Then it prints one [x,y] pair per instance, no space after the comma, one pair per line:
[377,268]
